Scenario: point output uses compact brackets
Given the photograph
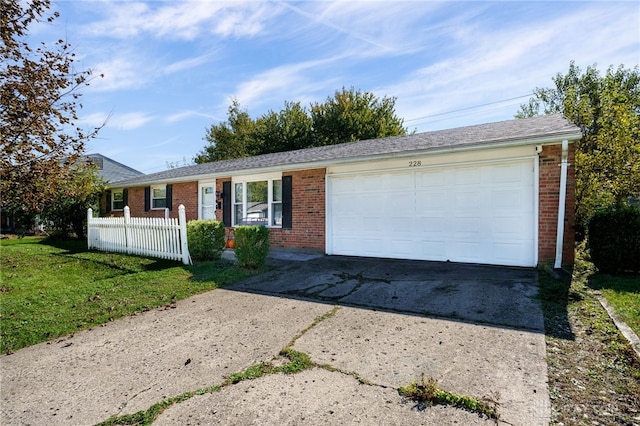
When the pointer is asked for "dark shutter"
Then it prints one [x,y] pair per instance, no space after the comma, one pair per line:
[147,198]
[226,203]
[125,198]
[108,202]
[287,197]
[169,192]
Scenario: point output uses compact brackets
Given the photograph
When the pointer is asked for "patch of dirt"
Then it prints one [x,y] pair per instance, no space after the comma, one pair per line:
[594,374]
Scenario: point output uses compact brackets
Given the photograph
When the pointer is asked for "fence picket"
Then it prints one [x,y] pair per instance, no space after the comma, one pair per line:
[154,237]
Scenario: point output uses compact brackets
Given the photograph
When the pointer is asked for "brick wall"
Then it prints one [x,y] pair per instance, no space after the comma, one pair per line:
[308,212]
[185,193]
[549,193]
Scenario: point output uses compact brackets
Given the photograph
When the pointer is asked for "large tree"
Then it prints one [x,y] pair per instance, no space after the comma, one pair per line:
[230,139]
[352,115]
[348,116]
[289,129]
[39,98]
[607,110]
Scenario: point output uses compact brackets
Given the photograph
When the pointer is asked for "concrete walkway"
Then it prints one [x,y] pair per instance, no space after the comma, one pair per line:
[474,329]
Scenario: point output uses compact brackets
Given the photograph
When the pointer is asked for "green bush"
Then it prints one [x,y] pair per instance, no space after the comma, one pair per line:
[614,239]
[206,239]
[252,245]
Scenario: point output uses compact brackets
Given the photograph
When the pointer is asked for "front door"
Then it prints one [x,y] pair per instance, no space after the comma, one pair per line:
[207,202]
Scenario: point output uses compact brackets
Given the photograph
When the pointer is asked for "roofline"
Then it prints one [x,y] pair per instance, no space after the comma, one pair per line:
[502,143]
[124,166]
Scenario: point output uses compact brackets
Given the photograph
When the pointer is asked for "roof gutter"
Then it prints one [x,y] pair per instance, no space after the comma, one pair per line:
[561,204]
[544,140]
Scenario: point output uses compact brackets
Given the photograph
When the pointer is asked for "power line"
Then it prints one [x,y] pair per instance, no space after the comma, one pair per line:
[467,108]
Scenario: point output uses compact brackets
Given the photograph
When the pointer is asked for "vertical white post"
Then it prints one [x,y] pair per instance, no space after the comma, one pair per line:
[166,213]
[89,217]
[182,220]
[127,219]
[561,202]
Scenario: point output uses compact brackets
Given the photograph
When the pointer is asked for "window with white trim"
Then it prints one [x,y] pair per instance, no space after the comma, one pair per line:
[257,202]
[117,199]
[159,197]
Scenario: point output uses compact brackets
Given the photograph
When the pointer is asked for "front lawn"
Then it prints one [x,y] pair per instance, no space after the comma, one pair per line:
[50,289]
[623,294]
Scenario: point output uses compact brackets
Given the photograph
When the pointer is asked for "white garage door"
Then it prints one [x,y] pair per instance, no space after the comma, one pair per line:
[477,214]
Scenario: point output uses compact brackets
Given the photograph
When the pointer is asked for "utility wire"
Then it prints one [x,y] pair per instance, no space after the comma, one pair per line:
[467,108]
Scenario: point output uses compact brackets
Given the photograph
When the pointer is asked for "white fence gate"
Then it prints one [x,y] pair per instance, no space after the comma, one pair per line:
[165,238]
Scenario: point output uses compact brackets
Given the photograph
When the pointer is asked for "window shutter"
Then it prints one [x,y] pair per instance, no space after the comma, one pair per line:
[147,198]
[287,197]
[226,203]
[169,193]
[108,201]
[125,197]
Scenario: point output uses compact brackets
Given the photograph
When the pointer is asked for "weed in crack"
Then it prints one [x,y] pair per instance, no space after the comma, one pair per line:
[315,322]
[426,393]
[358,377]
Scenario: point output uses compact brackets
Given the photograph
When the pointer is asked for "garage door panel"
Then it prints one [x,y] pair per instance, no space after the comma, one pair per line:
[433,249]
[396,182]
[508,200]
[480,214]
[507,174]
[467,202]
[510,228]
[468,176]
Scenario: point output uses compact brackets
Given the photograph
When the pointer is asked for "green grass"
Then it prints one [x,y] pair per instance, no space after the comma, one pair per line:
[623,294]
[427,392]
[50,288]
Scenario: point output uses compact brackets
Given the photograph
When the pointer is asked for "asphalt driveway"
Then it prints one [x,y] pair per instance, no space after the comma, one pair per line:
[477,330]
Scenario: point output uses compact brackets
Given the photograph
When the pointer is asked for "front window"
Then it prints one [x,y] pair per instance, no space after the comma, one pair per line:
[159,197]
[258,203]
[117,199]
[276,203]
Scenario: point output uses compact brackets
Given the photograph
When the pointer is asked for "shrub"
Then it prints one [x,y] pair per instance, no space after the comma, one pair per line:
[252,245]
[614,239]
[206,239]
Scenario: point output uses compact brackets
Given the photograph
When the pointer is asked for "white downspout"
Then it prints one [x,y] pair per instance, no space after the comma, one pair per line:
[561,203]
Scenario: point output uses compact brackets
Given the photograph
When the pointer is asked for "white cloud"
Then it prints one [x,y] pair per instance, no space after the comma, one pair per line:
[93,120]
[484,65]
[130,120]
[184,20]
[186,64]
[120,72]
[287,82]
[183,115]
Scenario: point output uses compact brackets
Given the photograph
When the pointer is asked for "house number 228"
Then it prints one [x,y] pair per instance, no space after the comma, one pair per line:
[415,163]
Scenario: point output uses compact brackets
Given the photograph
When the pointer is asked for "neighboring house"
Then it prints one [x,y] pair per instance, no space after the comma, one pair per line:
[109,170]
[485,194]
[112,171]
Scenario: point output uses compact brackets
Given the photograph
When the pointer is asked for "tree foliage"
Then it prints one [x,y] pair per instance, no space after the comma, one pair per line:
[39,85]
[354,115]
[607,110]
[65,211]
[349,115]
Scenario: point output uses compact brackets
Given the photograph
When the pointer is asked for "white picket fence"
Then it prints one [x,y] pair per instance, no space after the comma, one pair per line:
[165,238]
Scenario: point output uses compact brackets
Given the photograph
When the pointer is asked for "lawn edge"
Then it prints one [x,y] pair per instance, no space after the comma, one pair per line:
[626,331]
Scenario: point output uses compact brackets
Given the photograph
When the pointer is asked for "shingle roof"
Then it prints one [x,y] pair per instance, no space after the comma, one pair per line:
[492,134]
[112,171]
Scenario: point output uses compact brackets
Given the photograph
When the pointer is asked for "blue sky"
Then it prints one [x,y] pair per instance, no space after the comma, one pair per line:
[171,68]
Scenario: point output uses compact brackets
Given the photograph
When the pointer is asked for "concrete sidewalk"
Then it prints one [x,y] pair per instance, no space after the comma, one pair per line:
[133,363]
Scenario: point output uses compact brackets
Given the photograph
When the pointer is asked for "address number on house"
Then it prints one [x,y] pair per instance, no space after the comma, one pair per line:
[415,163]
